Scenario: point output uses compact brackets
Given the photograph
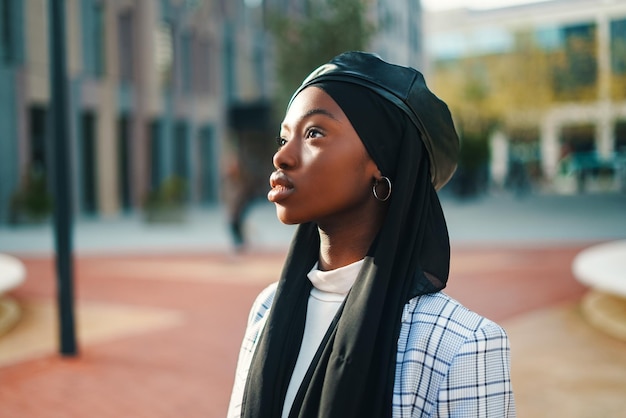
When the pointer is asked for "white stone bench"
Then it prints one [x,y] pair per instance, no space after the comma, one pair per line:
[602,267]
[12,274]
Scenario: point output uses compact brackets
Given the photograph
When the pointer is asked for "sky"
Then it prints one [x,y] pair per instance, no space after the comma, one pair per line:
[472,4]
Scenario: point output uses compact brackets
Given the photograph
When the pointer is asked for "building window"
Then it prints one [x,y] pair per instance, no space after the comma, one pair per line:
[206,161]
[97,39]
[187,61]
[384,17]
[181,155]
[549,38]
[126,45]
[203,66]
[89,161]
[620,137]
[618,47]
[124,159]
[164,54]
[194,64]
[6,32]
[576,72]
[579,138]
[154,130]
[38,137]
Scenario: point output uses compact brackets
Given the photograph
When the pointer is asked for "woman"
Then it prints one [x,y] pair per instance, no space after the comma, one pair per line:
[357,325]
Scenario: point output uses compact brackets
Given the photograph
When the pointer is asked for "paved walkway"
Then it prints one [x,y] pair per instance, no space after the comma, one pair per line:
[159,322]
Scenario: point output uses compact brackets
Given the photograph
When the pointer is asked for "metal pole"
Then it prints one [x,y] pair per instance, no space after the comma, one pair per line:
[61,170]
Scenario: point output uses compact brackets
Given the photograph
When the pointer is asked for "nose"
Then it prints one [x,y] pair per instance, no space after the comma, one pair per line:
[287,155]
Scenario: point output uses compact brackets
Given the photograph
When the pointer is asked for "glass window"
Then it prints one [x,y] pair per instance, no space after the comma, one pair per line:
[126,46]
[6,32]
[98,39]
[580,44]
[618,47]
[164,54]
[202,66]
[576,67]
[181,155]
[549,38]
[187,61]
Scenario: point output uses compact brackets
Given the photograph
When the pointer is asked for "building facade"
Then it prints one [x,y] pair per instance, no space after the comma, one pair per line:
[399,35]
[578,58]
[158,89]
[150,83]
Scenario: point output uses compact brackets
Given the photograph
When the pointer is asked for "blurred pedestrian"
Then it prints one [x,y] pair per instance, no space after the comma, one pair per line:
[362,150]
[518,180]
[237,198]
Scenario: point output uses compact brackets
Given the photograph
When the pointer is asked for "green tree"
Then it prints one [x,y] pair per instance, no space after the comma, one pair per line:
[302,43]
[507,91]
[500,90]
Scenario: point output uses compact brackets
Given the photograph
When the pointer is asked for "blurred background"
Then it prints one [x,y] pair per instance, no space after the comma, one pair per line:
[173,107]
[162,92]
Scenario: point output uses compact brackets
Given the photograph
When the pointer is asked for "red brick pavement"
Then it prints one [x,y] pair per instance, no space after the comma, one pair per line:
[186,370]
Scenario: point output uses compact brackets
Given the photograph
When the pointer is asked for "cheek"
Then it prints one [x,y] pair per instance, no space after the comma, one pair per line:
[342,179]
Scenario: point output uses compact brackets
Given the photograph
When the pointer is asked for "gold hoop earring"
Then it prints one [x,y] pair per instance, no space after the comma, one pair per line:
[376,182]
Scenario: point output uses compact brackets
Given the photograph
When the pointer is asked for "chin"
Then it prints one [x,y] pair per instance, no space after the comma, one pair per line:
[285,217]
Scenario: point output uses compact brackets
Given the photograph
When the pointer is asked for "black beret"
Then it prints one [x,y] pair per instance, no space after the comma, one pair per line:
[406,88]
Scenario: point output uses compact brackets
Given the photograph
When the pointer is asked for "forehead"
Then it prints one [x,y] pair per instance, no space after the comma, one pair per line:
[313,100]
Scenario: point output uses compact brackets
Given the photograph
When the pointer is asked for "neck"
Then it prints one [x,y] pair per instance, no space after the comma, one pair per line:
[346,242]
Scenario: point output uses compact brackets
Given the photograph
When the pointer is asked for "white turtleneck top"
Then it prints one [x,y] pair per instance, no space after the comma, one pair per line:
[329,290]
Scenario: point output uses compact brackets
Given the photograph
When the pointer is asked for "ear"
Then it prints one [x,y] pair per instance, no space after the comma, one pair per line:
[373,170]
[377,174]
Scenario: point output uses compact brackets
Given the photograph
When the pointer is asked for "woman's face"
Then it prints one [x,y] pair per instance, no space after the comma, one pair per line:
[323,172]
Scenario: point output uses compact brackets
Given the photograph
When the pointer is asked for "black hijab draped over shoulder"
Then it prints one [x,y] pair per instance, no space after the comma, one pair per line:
[409,133]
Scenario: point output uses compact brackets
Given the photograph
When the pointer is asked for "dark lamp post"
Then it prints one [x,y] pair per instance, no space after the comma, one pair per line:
[61,175]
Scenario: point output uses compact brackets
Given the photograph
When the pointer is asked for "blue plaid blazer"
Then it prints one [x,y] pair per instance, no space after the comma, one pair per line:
[451,361]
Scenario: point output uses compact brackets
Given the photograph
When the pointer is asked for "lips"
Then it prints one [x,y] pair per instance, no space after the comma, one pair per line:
[282,187]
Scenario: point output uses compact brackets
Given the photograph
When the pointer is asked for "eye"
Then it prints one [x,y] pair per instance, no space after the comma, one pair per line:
[313,133]
[280,141]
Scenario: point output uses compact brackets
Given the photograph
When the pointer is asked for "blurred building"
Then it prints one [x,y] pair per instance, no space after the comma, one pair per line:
[150,83]
[399,36]
[563,63]
[157,90]
[397,23]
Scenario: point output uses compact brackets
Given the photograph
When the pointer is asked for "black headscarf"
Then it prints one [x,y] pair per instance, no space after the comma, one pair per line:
[352,374]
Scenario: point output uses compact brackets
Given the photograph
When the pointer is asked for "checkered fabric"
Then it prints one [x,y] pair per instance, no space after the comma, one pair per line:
[451,361]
